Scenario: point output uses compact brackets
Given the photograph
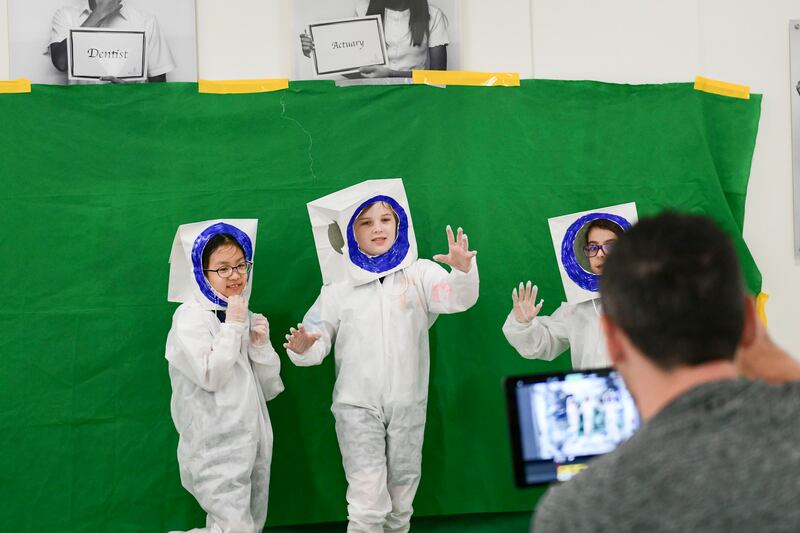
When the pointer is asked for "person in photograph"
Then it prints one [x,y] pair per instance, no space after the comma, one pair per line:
[715,453]
[380,331]
[573,417]
[588,406]
[611,407]
[223,369]
[415,33]
[573,326]
[112,14]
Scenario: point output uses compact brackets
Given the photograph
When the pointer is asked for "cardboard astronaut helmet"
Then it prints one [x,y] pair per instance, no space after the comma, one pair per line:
[569,233]
[332,218]
[187,281]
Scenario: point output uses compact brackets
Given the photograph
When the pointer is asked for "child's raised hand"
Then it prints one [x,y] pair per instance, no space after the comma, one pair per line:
[299,340]
[307,43]
[458,256]
[237,309]
[525,306]
[259,330]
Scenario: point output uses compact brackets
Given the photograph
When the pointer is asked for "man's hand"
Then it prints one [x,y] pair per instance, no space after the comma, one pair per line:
[761,359]
[299,340]
[525,306]
[259,330]
[458,256]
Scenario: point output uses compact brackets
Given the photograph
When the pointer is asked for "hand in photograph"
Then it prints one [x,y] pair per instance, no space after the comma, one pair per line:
[102,10]
[376,71]
[307,44]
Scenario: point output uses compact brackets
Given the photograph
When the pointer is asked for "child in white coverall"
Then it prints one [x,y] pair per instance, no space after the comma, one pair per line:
[223,369]
[573,326]
[380,331]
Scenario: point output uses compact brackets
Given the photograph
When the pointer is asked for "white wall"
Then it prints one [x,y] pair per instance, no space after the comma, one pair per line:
[244,39]
[496,36]
[626,41]
[750,45]
[741,41]
[3,40]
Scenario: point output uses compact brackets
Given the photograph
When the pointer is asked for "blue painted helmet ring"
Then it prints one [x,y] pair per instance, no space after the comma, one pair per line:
[395,255]
[197,256]
[585,280]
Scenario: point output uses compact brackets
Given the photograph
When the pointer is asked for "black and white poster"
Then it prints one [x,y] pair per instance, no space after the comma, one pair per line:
[418,35]
[102,41]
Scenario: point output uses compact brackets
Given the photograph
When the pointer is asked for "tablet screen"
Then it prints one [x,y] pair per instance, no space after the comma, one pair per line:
[559,421]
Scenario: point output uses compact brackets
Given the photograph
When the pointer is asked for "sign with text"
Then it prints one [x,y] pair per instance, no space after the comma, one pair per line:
[104,53]
[342,46]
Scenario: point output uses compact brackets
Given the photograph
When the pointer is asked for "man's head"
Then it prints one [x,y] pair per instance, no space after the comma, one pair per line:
[601,235]
[673,287]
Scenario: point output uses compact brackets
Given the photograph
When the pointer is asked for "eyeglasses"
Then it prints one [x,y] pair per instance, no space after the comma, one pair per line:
[592,250]
[227,271]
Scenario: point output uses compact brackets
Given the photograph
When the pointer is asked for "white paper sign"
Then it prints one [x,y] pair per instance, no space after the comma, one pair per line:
[332,219]
[342,46]
[94,53]
[569,238]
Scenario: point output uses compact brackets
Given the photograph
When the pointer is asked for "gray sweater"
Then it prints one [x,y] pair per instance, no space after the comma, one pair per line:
[723,457]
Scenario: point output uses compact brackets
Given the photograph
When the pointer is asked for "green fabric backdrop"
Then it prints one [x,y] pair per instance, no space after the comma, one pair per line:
[96,179]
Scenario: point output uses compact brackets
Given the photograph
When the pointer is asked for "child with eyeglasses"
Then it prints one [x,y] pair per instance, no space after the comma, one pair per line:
[223,369]
[571,326]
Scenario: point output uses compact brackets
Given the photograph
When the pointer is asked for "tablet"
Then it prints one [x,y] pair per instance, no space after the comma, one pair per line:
[560,421]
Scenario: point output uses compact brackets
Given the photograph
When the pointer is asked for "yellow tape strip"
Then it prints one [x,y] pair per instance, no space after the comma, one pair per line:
[21,85]
[761,302]
[721,87]
[242,86]
[457,77]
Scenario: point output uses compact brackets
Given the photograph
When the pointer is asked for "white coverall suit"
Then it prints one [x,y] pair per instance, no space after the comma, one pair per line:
[381,391]
[574,326]
[220,384]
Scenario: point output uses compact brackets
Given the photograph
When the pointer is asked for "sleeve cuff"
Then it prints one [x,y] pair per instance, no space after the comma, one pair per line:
[264,354]
[513,325]
[237,327]
[473,269]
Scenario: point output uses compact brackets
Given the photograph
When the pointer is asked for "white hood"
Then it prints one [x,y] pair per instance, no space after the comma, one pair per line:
[187,282]
[332,218]
[569,236]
